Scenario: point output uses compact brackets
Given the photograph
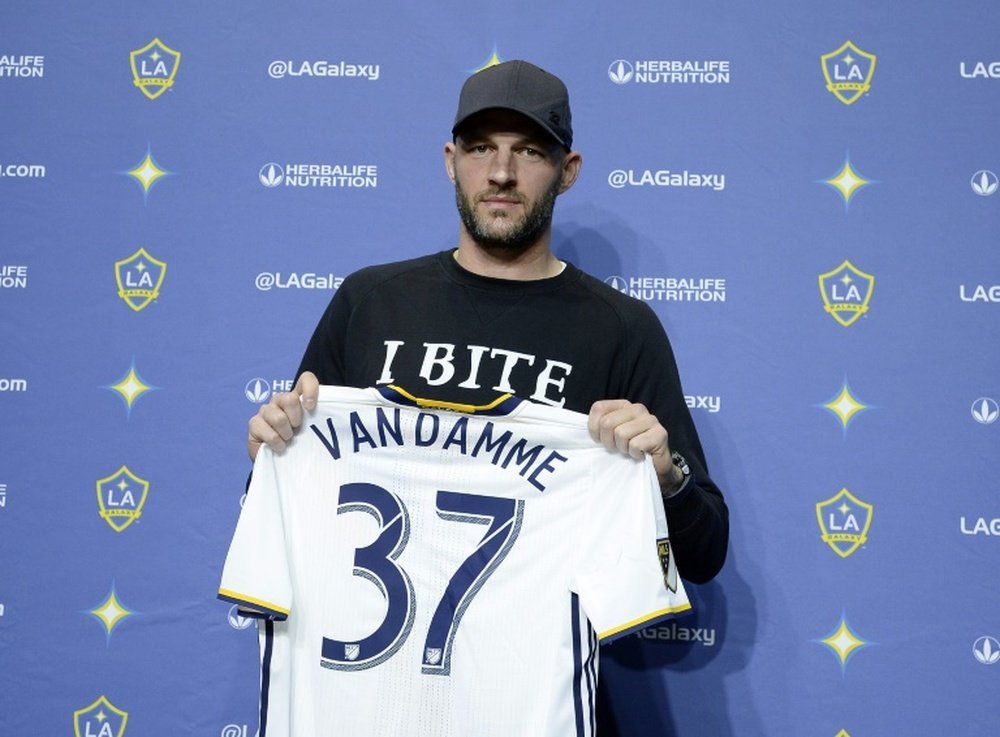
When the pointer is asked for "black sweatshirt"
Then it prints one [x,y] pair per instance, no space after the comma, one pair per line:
[441,332]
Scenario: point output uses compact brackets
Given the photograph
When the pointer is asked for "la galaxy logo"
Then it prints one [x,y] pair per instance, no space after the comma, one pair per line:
[844,522]
[847,292]
[139,277]
[100,719]
[848,72]
[121,497]
[154,67]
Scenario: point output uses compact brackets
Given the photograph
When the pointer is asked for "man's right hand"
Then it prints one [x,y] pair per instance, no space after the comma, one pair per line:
[276,422]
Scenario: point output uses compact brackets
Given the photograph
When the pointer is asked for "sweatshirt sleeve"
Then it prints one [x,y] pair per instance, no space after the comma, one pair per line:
[698,516]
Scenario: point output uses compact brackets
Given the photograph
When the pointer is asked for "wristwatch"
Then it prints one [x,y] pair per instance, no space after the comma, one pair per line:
[678,460]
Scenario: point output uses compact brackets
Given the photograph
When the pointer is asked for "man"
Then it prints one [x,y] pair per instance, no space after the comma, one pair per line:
[501,313]
[502,306]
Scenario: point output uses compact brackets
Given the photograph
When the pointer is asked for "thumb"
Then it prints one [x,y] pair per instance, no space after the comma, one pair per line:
[307,387]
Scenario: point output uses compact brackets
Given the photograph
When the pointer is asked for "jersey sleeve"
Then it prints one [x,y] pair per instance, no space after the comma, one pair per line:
[256,572]
[629,580]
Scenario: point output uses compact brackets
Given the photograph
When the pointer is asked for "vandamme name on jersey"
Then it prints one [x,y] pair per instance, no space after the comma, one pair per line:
[381,427]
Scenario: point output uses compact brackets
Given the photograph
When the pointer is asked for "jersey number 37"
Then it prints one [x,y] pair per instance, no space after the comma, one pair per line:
[377,563]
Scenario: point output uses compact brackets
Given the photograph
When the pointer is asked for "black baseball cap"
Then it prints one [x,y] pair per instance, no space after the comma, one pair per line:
[524,88]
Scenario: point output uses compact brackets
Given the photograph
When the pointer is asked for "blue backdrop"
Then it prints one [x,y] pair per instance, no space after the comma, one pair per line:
[805,193]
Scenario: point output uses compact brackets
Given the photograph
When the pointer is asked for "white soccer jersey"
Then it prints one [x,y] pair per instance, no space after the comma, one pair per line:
[440,573]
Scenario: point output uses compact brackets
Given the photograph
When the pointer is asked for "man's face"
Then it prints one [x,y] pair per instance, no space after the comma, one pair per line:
[507,174]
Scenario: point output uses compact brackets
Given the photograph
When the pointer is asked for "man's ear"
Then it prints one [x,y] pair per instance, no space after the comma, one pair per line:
[449,160]
[570,170]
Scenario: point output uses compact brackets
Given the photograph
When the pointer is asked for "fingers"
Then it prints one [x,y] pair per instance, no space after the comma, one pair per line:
[276,422]
[628,428]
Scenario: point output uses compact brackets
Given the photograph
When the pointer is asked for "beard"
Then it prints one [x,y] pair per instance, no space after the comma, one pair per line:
[507,235]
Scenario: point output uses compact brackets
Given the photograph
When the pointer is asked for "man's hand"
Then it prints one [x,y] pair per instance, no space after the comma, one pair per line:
[276,421]
[629,428]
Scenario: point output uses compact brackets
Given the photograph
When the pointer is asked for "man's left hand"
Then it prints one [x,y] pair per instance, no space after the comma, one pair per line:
[629,428]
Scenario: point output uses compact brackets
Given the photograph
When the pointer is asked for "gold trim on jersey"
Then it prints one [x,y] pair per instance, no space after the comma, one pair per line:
[266,605]
[641,620]
[454,406]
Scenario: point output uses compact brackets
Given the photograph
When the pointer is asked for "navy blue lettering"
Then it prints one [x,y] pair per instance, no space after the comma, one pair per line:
[486,438]
[385,427]
[360,433]
[333,444]
[457,436]
[545,465]
[524,458]
[435,422]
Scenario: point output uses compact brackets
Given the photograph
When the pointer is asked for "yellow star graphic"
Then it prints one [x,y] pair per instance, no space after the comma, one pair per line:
[492,61]
[845,406]
[110,612]
[130,387]
[147,173]
[847,182]
[843,642]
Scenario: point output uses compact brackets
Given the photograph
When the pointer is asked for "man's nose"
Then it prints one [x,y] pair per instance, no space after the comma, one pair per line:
[503,171]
